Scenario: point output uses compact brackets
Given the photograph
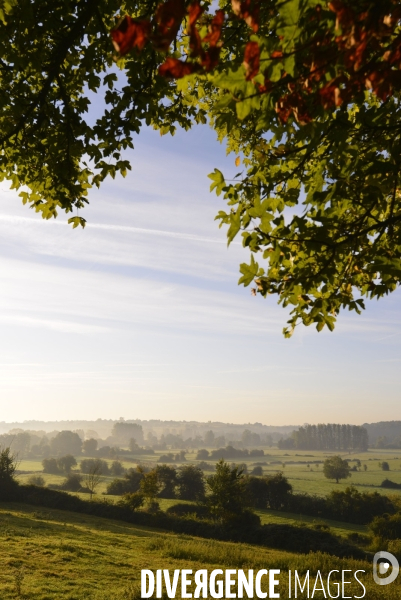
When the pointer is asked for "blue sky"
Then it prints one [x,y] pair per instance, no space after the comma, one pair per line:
[140,315]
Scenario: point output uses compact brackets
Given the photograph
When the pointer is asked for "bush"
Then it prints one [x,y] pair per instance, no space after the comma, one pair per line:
[257,471]
[116,468]
[202,454]
[130,483]
[387,527]
[36,480]
[132,501]
[65,463]
[185,510]
[205,466]
[387,483]
[350,505]
[384,466]
[50,466]
[230,452]
[284,537]
[72,483]
[153,507]
[167,458]
[117,487]
[269,492]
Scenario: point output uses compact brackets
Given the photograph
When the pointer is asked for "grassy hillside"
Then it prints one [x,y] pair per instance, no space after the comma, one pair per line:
[59,555]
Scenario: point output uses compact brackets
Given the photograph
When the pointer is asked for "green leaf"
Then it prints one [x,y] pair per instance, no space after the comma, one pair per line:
[218,180]
[76,221]
[249,272]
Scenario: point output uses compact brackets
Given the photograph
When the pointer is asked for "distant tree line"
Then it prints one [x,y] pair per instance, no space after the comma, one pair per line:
[228,452]
[329,436]
[126,437]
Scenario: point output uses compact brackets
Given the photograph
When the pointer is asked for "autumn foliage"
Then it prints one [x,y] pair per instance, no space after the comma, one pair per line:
[340,49]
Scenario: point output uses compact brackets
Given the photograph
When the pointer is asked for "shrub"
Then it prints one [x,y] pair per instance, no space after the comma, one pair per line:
[130,483]
[132,501]
[205,466]
[117,487]
[167,458]
[387,527]
[72,483]
[65,463]
[50,466]
[36,480]
[153,507]
[387,483]
[185,510]
[357,507]
[116,468]
[284,537]
[202,454]
[257,471]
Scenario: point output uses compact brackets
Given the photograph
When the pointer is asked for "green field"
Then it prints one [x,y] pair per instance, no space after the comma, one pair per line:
[61,555]
[292,463]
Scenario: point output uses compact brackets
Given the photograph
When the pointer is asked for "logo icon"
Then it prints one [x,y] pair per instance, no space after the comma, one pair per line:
[388,564]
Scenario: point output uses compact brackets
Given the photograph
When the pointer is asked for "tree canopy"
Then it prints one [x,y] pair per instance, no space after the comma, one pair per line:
[305,93]
[336,468]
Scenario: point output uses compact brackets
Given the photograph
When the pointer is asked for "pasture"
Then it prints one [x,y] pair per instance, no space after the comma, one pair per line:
[303,469]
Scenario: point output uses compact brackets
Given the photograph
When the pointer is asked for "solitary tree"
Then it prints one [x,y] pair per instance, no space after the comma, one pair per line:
[336,468]
[8,466]
[228,496]
[93,477]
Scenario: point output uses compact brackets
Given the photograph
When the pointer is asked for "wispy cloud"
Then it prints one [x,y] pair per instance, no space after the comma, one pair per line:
[140,315]
[118,228]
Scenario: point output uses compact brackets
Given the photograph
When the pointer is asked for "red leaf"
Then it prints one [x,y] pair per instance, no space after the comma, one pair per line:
[211,58]
[195,42]
[194,11]
[215,28]
[130,34]
[175,69]
[169,17]
[251,60]
[249,11]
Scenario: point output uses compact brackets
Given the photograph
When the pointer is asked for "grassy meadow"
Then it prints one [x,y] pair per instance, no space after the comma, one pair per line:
[52,555]
[294,465]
